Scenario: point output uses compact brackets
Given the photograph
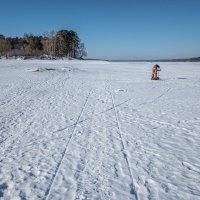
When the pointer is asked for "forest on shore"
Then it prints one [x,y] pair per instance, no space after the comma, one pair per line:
[63,43]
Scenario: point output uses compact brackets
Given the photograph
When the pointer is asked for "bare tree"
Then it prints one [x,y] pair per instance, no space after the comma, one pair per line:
[81,52]
[4,46]
[49,43]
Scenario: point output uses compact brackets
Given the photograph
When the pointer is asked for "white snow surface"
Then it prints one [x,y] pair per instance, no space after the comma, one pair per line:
[99,130]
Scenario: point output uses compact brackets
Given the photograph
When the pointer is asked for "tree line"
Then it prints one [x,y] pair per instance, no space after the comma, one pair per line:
[64,43]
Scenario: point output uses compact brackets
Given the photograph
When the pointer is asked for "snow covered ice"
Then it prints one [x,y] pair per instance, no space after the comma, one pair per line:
[99,130]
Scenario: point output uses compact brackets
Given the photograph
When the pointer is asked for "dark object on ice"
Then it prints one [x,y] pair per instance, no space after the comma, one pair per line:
[182,78]
[155,70]
[43,69]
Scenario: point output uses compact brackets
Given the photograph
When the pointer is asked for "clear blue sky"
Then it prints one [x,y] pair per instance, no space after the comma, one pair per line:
[112,29]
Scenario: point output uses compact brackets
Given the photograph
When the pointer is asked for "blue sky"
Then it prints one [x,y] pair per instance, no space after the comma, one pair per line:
[112,29]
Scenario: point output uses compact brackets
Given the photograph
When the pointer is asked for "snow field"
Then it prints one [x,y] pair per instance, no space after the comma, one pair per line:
[99,130]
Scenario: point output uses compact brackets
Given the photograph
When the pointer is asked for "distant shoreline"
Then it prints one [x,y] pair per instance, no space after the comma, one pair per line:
[195,59]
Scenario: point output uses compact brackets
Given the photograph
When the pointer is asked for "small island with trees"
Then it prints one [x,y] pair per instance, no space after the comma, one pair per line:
[63,43]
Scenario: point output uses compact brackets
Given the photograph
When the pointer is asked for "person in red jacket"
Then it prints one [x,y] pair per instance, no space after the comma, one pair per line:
[154,75]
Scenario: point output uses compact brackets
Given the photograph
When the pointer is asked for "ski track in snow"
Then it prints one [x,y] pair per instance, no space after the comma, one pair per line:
[66,148]
[99,130]
[132,186]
